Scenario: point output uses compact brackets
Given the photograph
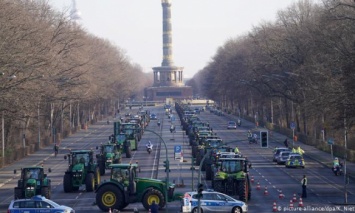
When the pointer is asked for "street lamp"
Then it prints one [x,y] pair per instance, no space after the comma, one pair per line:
[167,163]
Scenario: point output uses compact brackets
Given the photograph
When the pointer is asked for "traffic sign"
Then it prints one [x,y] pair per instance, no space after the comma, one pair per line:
[330,141]
[292,125]
[177,152]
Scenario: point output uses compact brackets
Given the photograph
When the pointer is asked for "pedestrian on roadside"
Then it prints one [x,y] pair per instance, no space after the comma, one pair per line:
[286,143]
[304,186]
[154,207]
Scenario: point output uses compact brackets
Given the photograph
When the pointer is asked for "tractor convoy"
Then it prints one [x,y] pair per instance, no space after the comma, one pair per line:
[228,171]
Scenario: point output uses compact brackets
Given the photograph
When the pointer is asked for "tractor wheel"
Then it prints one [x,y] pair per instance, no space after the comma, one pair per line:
[136,142]
[110,197]
[75,188]
[18,193]
[90,182]
[243,189]
[209,172]
[67,184]
[102,168]
[97,177]
[125,205]
[128,152]
[218,186]
[46,192]
[153,195]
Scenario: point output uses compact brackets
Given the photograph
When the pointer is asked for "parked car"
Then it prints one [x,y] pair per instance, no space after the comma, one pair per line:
[213,201]
[232,125]
[37,204]
[283,156]
[294,161]
[277,151]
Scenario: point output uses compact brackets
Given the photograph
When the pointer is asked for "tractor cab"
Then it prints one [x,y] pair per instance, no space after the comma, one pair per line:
[123,173]
[32,173]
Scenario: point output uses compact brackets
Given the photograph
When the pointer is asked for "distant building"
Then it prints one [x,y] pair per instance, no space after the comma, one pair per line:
[168,79]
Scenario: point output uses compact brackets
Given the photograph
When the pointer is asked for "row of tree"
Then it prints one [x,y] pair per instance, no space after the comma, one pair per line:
[299,68]
[55,75]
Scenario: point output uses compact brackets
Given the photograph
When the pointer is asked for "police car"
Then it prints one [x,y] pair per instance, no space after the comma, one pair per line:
[212,201]
[37,204]
[295,160]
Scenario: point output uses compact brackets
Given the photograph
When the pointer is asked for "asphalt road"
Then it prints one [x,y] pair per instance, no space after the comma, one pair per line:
[324,189]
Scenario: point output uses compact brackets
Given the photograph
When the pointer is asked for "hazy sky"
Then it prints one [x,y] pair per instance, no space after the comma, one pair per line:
[199,26]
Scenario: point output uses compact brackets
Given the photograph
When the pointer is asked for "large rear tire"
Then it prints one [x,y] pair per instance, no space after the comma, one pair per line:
[243,189]
[110,197]
[90,182]
[153,195]
[128,152]
[101,164]
[97,177]
[18,193]
[218,186]
[67,184]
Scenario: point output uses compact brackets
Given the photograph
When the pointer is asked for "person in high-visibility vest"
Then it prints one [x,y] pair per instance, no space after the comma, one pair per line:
[336,162]
[300,151]
[304,186]
[236,150]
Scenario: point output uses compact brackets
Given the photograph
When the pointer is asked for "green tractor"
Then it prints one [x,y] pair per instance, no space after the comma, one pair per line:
[232,177]
[109,153]
[33,182]
[214,153]
[82,171]
[206,145]
[126,135]
[200,138]
[124,187]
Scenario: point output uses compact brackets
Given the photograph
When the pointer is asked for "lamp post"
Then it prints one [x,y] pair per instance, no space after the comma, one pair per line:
[167,171]
[39,127]
[3,124]
[345,157]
